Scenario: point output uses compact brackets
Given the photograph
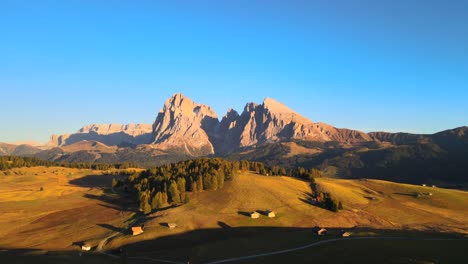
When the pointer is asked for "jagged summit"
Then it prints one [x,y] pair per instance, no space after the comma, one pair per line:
[106,129]
[109,134]
[185,126]
[274,106]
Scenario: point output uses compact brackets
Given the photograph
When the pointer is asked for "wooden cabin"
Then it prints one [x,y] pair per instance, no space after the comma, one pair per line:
[270,214]
[254,215]
[346,234]
[136,230]
[86,247]
[320,231]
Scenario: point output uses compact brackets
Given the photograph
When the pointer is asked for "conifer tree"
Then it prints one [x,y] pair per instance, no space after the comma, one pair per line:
[174,193]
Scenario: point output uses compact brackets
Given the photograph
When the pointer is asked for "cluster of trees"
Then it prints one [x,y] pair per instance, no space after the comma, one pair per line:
[167,185]
[9,162]
[325,199]
[307,174]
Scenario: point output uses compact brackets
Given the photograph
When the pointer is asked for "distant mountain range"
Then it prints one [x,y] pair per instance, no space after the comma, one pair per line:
[270,132]
[196,130]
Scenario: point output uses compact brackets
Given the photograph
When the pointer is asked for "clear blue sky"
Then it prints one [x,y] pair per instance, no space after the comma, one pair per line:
[392,65]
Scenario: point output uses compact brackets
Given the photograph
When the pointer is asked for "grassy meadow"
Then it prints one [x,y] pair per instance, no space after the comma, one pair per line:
[48,212]
[51,208]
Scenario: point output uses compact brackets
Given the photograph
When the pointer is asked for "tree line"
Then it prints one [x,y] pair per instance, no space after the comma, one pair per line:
[167,185]
[10,162]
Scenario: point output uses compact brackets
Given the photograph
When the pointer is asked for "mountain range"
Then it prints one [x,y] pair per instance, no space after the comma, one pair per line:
[269,132]
[196,130]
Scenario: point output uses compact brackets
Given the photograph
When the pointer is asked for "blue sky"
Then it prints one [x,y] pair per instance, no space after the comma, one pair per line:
[392,65]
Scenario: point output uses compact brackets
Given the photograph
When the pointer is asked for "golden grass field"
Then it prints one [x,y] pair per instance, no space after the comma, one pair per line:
[393,207]
[58,216]
[219,216]
[78,206]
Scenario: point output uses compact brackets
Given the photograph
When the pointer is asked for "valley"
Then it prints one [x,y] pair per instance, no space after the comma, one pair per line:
[79,206]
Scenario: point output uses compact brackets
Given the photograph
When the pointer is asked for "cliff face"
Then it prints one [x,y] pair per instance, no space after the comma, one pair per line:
[109,134]
[272,122]
[107,129]
[185,125]
[194,129]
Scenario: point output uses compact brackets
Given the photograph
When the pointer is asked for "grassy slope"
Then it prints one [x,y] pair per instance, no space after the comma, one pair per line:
[396,206]
[56,217]
[375,251]
[211,222]
[249,192]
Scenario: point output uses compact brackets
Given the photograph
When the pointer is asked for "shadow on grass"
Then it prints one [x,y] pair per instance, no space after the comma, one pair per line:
[112,228]
[202,245]
[114,202]
[96,181]
[308,198]
[406,194]
[244,213]
[219,243]
[224,225]
[79,243]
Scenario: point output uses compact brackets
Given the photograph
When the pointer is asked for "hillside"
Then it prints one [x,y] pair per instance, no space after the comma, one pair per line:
[77,206]
[444,210]
[216,220]
[52,208]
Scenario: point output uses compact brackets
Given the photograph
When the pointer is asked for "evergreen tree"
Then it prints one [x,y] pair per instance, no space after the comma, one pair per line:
[115,183]
[200,183]
[214,182]
[181,184]
[194,187]
[174,193]
[145,207]
[220,181]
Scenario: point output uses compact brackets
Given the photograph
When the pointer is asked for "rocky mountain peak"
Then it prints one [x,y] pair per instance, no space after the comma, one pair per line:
[109,134]
[184,124]
[250,107]
[231,114]
[106,129]
[275,106]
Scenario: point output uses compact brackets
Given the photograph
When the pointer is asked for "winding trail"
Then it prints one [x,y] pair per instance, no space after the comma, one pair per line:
[277,252]
[326,242]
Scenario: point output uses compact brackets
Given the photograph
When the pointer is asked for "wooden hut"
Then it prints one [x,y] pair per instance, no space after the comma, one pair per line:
[136,230]
[270,214]
[86,247]
[346,234]
[254,215]
[320,231]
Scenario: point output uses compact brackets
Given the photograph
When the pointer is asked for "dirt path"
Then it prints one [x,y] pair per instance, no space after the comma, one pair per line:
[326,242]
[103,241]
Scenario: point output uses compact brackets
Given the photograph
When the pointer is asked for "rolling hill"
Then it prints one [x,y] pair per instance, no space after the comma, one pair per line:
[56,209]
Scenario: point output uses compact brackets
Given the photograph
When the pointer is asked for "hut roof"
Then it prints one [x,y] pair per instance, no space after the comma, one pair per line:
[137,230]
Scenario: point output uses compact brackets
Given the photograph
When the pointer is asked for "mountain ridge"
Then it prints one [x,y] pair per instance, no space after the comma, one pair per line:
[183,125]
